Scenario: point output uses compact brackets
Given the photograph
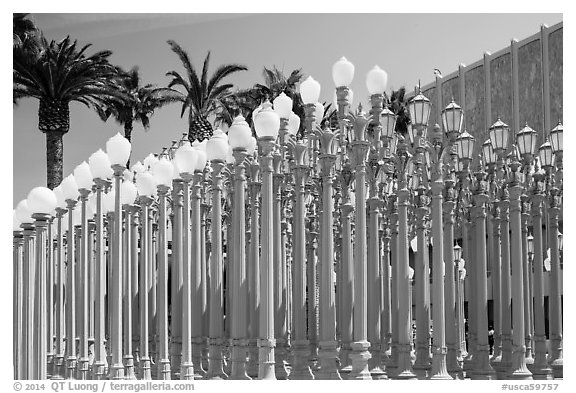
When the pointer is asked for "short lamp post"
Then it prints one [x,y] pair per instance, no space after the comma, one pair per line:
[41,202]
[118,149]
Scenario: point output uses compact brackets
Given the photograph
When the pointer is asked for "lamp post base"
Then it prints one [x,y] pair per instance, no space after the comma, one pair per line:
[215,360]
[252,366]
[117,371]
[199,372]
[404,363]
[71,367]
[238,360]
[375,362]
[145,368]
[280,356]
[360,357]
[266,369]
[328,360]
[58,368]
[175,356]
[129,367]
[164,369]
[187,371]
[99,370]
[83,372]
[301,369]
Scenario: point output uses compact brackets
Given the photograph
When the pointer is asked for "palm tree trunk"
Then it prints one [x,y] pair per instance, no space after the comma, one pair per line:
[128,127]
[54,157]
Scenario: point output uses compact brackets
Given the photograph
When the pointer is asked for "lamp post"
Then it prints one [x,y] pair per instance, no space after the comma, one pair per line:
[41,202]
[216,153]
[163,173]
[101,170]
[267,124]
[18,297]
[177,269]
[70,190]
[146,186]
[83,178]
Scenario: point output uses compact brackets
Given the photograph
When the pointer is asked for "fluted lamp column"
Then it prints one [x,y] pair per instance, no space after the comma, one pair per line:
[41,203]
[18,295]
[101,171]
[267,124]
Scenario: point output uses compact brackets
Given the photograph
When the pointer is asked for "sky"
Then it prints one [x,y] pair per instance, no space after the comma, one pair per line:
[407,46]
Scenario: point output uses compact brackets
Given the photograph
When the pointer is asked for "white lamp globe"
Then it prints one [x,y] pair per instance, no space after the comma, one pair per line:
[318,112]
[61,201]
[376,80]
[240,134]
[200,145]
[100,165]
[149,161]
[293,123]
[138,168]
[185,158]
[217,146]
[176,172]
[83,176]
[70,188]
[163,171]
[77,217]
[128,193]
[342,72]
[108,201]
[283,105]
[256,111]
[118,149]
[15,222]
[128,175]
[146,184]
[230,156]
[23,213]
[41,200]
[253,146]
[64,223]
[91,205]
[201,158]
[310,91]
[267,122]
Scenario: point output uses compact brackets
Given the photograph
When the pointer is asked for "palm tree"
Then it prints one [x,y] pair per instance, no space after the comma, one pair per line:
[203,95]
[24,31]
[397,104]
[56,75]
[140,102]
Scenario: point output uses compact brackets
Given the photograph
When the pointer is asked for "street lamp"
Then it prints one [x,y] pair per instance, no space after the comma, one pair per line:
[267,125]
[118,149]
[41,202]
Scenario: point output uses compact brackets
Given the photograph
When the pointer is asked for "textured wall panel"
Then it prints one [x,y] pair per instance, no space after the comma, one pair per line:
[555,56]
[530,82]
[451,89]
[501,89]
[475,105]
[431,95]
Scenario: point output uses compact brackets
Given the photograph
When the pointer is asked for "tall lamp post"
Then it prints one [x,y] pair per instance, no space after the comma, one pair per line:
[267,124]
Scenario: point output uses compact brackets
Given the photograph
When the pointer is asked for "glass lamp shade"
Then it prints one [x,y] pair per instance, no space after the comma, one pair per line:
[419,108]
[146,184]
[239,136]
[15,222]
[149,161]
[201,158]
[319,112]
[376,80]
[499,133]
[310,91]
[457,253]
[138,168]
[293,123]
[342,72]
[108,201]
[256,111]
[118,149]
[100,165]
[185,158]
[393,143]
[200,145]
[41,200]
[283,105]
[546,155]
[488,152]
[452,117]
[91,205]
[23,213]
[70,188]
[253,146]
[530,240]
[163,171]
[77,215]
[388,122]
[465,146]
[526,140]
[128,175]
[83,176]
[60,200]
[217,145]
[267,122]
[128,193]
[176,172]
[556,138]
